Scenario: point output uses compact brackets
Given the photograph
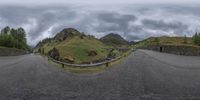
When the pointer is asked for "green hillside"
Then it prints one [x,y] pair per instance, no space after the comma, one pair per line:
[75,46]
[177,41]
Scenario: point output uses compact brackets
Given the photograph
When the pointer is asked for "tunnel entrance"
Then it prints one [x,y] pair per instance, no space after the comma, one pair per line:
[161,49]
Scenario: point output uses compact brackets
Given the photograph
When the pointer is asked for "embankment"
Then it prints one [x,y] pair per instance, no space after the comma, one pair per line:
[11,52]
[175,49]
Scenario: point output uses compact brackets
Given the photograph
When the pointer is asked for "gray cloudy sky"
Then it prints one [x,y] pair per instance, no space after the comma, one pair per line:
[50,2]
[130,19]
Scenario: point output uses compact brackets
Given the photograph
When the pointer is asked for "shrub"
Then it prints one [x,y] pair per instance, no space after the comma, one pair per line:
[196,39]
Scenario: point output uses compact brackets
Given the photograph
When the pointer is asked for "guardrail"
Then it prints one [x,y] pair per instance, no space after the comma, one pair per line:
[84,65]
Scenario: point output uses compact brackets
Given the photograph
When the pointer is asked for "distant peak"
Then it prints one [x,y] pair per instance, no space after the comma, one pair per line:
[67,30]
[113,34]
[66,33]
[114,39]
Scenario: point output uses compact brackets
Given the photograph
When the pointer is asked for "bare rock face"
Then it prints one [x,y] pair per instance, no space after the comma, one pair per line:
[92,53]
[54,53]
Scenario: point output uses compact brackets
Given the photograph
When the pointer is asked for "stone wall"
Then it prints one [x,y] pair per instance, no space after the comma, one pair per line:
[11,52]
[179,50]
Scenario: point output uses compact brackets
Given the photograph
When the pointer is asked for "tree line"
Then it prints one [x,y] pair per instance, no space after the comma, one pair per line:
[13,38]
[196,38]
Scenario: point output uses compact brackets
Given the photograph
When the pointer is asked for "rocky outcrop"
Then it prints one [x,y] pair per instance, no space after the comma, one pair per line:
[175,49]
[54,53]
[11,52]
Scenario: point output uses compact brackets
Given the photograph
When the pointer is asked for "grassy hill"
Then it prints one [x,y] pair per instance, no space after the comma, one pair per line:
[75,46]
[176,41]
[114,40]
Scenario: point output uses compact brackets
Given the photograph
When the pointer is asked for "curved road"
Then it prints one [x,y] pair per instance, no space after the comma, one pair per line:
[144,75]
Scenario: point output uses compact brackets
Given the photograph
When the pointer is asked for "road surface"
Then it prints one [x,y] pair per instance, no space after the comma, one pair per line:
[144,75]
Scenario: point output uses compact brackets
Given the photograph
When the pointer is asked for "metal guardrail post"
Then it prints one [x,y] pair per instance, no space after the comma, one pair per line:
[107,64]
[63,66]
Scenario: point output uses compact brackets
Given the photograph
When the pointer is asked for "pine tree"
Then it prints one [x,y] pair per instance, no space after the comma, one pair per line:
[196,38]
[13,38]
[5,30]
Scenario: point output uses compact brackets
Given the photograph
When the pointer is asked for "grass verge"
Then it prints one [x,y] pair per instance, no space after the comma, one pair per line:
[86,70]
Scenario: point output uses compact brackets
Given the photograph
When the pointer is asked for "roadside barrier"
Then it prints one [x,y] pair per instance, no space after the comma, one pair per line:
[84,65]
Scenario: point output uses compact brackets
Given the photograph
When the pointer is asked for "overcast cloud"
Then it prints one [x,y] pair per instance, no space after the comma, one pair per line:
[133,22]
[96,2]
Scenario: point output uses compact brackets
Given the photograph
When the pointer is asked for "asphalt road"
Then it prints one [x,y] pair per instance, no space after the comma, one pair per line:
[144,75]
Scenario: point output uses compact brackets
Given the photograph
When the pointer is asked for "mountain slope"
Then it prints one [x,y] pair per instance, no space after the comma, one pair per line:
[75,47]
[164,40]
[114,40]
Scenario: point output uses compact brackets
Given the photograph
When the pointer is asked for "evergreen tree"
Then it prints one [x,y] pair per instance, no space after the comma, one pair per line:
[13,38]
[5,30]
[196,39]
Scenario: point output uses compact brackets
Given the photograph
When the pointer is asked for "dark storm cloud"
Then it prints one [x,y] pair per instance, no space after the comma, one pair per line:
[133,23]
[114,17]
[113,21]
[42,17]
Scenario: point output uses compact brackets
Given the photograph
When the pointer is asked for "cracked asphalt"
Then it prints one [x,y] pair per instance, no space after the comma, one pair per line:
[144,75]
